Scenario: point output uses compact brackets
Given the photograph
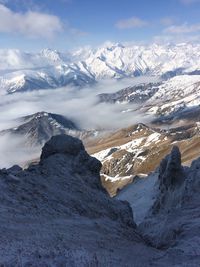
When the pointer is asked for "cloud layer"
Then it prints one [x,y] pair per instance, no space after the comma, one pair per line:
[78,105]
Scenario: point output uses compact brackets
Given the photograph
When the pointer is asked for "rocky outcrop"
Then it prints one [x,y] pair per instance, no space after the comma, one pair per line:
[170,170]
[170,178]
[64,144]
[173,222]
[57,212]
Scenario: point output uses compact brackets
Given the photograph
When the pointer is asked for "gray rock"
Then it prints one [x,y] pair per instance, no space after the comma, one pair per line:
[170,178]
[59,205]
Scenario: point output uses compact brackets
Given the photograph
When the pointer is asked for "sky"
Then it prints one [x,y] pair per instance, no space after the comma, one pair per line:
[32,25]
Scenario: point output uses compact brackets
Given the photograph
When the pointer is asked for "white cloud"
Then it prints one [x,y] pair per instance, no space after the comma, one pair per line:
[183,29]
[31,24]
[130,23]
[188,2]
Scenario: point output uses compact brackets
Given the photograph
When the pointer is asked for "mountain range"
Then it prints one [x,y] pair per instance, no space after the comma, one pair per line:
[23,71]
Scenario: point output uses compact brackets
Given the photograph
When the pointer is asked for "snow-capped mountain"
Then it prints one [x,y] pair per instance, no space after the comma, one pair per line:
[175,95]
[119,61]
[133,94]
[38,128]
[168,98]
[44,78]
[22,71]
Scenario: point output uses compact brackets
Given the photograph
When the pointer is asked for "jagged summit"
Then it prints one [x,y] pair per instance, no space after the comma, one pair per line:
[70,147]
[176,205]
[62,120]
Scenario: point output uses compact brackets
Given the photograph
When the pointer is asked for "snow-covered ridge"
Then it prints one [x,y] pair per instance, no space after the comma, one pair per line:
[51,69]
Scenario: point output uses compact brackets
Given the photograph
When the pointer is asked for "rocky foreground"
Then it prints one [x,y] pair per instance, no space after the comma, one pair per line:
[56,213]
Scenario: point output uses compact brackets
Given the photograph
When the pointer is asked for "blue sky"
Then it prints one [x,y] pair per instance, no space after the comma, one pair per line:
[66,24]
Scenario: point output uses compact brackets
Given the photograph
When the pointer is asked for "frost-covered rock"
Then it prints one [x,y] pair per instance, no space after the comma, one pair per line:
[56,213]
[171,177]
[173,222]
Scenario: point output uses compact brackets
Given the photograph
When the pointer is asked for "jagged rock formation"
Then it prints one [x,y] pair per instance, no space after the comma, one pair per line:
[166,207]
[56,213]
[171,176]
[174,219]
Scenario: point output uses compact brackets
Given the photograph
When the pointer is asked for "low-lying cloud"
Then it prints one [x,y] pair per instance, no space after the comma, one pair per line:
[14,151]
[78,105]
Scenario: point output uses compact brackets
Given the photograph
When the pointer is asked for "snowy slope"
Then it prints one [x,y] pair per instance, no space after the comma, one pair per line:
[176,94]
[140,195]
[164,98]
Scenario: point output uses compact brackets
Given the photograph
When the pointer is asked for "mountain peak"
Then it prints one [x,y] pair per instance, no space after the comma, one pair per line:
[39,127]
